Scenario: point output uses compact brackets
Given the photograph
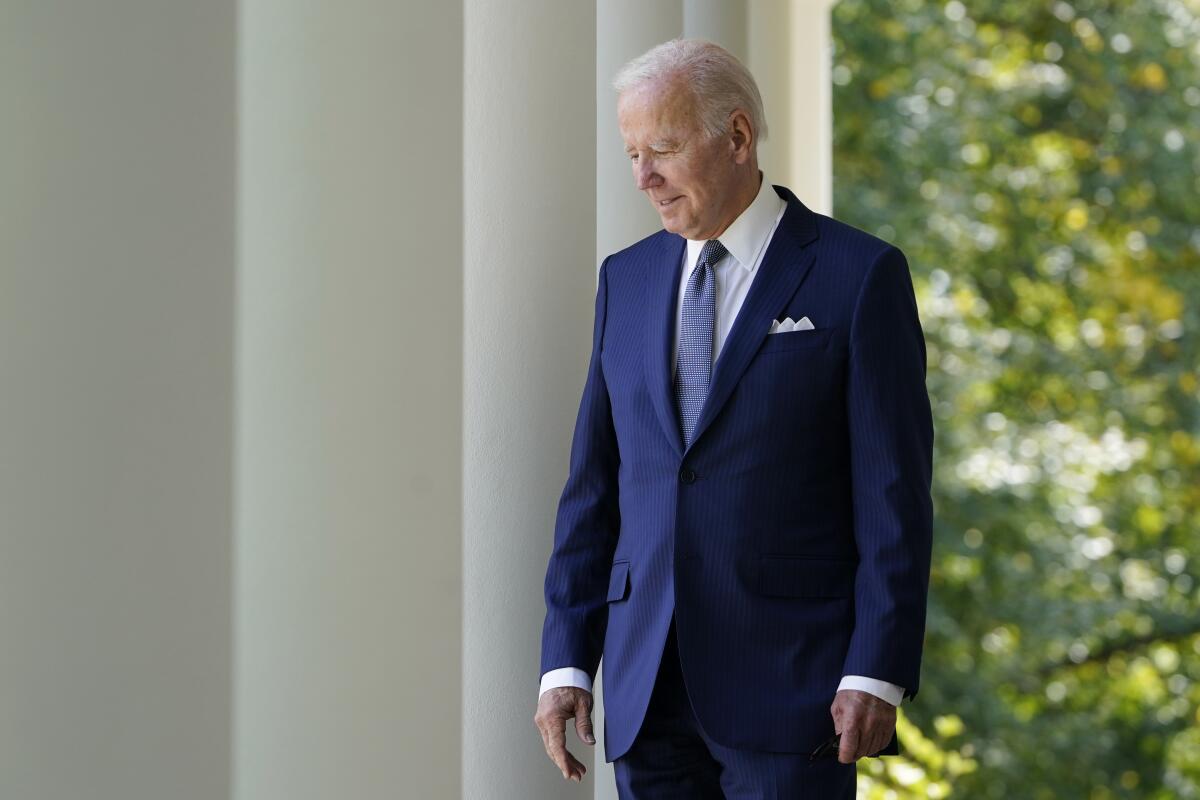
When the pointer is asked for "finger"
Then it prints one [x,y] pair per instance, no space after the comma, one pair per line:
[546,727]
[575,768]
[583,722]
[885,736]
[866,737]
[848,750]
[544,730]
[871,746]
[556,746]
[882,742]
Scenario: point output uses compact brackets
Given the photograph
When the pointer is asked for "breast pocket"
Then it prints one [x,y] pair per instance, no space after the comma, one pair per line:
[796,340]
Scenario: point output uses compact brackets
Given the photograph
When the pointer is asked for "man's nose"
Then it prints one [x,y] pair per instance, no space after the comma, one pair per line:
[645,175]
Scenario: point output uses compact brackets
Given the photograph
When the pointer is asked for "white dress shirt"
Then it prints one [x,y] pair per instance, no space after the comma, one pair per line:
[746,241]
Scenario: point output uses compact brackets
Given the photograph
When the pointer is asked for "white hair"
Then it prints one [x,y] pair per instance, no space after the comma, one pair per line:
[719,82]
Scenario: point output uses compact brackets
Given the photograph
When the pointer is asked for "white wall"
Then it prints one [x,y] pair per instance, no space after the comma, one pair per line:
[116,361]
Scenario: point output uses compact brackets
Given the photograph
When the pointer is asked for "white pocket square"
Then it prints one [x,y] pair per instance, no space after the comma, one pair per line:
[803,324]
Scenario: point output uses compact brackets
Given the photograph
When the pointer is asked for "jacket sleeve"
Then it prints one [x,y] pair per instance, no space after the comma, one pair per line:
[587,524]
[891,460]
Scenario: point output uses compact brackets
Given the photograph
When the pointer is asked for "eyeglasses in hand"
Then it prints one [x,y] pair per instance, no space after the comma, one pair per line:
[828,748]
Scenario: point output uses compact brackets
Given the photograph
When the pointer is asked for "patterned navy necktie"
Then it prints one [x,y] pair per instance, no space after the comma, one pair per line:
[694,367]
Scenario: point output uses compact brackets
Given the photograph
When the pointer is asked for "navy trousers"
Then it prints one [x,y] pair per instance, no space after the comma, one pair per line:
[672,757]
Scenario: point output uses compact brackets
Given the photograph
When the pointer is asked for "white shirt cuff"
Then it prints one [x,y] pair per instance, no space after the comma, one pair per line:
[572,676]
[881,689]
[565,676]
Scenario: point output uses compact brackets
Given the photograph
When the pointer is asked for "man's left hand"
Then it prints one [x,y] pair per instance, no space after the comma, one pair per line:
[866,723]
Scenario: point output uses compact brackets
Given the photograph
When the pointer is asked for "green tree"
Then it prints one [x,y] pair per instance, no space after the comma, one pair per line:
[1039,164]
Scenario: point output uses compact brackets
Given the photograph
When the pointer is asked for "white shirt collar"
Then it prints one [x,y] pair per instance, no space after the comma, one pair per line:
[748,234]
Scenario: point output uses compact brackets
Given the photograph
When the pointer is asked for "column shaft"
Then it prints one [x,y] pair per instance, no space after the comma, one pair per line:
[348,561]
[529,290]
[624,29]
[720,21]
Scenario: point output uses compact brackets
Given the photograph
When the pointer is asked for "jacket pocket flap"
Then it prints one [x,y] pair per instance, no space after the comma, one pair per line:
[618,581]
[800,576]
[790,340]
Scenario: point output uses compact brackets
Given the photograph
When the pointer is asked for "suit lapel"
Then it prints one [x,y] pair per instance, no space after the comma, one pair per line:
[663,298]
[784,266]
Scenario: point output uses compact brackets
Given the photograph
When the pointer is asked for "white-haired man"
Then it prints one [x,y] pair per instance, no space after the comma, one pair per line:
[745,532]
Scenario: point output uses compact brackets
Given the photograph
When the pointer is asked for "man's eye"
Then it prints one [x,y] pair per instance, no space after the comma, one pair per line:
[633,156]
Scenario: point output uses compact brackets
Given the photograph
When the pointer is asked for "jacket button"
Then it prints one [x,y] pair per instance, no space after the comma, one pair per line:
[687,476]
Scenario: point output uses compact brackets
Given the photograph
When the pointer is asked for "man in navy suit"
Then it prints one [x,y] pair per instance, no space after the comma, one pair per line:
[745,531]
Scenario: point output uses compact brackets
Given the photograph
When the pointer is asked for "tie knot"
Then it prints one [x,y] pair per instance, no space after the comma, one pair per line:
[713,252]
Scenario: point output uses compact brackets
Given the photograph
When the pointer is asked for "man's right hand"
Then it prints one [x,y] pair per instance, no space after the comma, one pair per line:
[555,707]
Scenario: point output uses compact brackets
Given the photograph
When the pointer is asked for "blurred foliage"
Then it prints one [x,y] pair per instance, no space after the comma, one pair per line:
[1039,164]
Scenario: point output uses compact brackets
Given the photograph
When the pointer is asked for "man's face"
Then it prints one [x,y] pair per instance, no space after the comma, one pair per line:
[688,177]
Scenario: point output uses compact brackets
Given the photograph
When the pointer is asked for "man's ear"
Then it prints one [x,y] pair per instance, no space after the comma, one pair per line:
[741,136]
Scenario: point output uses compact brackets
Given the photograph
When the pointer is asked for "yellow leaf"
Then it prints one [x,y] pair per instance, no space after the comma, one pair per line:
[1077,218]
[1150,520]
[1152,76]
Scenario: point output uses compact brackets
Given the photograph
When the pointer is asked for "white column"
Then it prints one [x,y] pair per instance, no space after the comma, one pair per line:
[787,46]
[117,159]
[349,423]
[769,60]
[529,289]
[624,30]
[720,21]
[810,115]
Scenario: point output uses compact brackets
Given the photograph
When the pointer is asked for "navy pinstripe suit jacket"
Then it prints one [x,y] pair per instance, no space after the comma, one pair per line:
[792,539]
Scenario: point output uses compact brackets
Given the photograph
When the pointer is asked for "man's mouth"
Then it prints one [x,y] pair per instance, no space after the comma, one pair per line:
[665,203]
